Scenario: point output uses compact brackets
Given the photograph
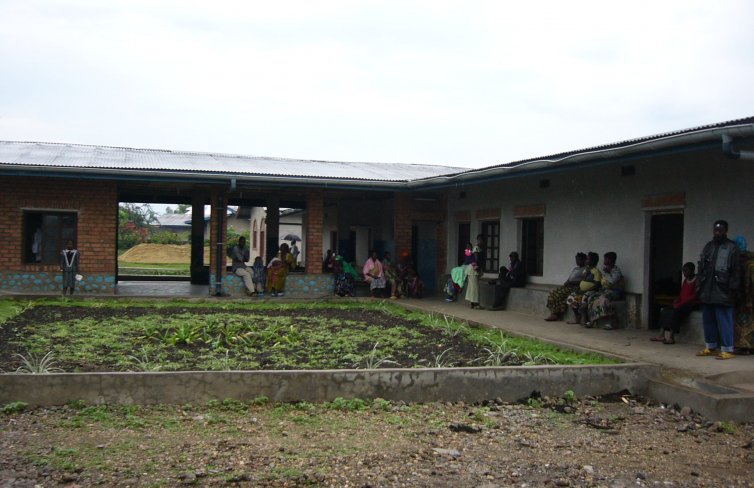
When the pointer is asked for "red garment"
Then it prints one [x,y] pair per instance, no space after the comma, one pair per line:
[688,294]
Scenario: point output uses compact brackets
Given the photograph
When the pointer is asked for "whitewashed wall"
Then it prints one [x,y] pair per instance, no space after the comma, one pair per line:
[597,209]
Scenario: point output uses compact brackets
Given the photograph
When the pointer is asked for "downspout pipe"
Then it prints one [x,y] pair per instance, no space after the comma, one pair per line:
[220,260]
[732,153]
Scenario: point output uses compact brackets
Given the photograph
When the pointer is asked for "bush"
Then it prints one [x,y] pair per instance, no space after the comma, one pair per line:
[232,238]
[129,235]
[167,237]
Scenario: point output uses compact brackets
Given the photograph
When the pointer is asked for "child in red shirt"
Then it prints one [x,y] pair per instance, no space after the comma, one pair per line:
[688,299]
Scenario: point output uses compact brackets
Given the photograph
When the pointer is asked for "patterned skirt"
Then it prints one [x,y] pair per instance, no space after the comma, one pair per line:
[601,305]
[557,299]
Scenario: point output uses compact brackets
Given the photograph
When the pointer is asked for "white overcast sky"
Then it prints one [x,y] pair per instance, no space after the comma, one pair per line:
[470,83]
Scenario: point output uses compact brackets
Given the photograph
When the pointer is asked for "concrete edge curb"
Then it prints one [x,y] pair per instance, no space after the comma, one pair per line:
[410,385]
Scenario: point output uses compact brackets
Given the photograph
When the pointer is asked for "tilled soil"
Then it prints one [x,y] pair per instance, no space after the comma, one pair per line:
[616,442]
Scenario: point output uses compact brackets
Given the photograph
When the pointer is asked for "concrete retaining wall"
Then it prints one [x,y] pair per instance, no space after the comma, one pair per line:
[410,385]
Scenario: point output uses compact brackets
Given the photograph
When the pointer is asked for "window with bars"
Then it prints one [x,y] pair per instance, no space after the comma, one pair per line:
[45,235]
[491,236]
[533,245]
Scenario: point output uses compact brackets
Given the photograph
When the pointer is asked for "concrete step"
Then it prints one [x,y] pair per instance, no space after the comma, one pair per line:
[722,397]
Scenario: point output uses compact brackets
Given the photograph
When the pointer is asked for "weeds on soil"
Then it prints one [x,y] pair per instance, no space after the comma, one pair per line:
[181,334]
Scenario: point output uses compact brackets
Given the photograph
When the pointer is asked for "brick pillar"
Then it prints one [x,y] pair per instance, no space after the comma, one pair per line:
[315,220]
[219,204]
[402,222]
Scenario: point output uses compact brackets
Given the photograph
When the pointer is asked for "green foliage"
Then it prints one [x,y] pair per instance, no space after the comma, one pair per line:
[76,404]
[228,405]
[143,363]
[36,365]
[569,396]
[442,360]
[260,400]
[372,361]
[10,308]
[381,404]
[167,237]
[727,427]
[241,335]
[14,407]
[232,238]
[133,224]
[534,402]
[348,405]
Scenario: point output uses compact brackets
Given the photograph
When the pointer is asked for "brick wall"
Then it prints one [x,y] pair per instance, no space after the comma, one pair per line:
[96,204]
[402,222]
[219,211]
[315,220]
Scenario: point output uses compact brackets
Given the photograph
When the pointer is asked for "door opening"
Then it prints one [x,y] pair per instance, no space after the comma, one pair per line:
[665,262]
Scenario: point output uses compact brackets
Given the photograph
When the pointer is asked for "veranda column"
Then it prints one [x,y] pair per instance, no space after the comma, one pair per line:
[273,229]
[315,221]
[218,234]
[197,240]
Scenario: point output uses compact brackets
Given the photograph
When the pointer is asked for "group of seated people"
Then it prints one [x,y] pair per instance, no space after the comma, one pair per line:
[470,272]
[259,278]
[383,277]
[589,291]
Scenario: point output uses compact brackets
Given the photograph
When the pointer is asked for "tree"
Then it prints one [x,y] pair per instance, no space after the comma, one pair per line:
[139,214]
[133,224]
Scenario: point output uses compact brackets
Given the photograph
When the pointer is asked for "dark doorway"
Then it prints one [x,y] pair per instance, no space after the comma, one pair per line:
[464,237]
[665,262]
[424,251]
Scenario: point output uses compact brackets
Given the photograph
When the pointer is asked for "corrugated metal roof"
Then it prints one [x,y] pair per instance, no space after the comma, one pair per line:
[54,155]
[631,142]
[146,161]
[174,220]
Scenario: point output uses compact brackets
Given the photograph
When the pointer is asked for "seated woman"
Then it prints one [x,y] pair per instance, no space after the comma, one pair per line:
[391,275]
[556,300]
[683,305]
[345,277]
[599,306]
[513,277]
[457,276]
[277,271]
[258,276]
[373,274]
[588,286]
[409,284]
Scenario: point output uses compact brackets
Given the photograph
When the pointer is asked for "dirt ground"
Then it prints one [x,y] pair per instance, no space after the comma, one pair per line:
[160,253]
[608,442]
[616,442]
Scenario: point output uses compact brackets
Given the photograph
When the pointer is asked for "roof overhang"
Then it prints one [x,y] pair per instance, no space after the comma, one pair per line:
[688,141]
